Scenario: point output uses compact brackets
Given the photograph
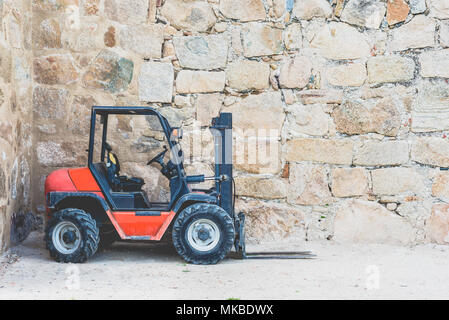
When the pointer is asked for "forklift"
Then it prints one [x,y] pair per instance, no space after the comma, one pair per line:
[91,207]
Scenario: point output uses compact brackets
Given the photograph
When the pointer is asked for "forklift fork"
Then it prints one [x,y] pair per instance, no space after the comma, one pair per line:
[240,249]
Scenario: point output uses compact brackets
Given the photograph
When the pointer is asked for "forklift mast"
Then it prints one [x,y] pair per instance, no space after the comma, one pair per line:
[222,131]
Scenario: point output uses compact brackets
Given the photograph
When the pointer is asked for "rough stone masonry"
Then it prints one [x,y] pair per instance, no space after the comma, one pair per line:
[357,90]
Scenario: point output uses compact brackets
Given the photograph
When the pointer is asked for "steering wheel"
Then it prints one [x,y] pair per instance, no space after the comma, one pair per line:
[159,158]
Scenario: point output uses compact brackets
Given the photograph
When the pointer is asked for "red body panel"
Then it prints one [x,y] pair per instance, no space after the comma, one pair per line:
[127,224]
[84,180]
[153,227]
[59,180]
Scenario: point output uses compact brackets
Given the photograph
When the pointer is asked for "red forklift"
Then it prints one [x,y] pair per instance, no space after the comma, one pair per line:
[94,206]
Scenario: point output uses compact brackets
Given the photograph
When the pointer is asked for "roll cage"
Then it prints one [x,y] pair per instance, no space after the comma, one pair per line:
[137,201]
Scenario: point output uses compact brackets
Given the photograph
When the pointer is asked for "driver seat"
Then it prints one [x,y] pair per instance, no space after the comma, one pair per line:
[120,183]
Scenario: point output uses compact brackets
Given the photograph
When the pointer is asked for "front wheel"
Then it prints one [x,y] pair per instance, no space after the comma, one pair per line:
[203,234]
[72,236]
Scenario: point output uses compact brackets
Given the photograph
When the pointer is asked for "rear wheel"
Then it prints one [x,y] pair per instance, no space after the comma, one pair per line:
[203,234]
[72,236]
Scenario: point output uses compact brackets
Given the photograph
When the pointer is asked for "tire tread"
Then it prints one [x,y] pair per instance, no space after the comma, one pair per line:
[200,209]
[89,231]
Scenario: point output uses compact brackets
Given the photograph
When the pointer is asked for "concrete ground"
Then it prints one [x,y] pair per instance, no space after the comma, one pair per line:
[154,271]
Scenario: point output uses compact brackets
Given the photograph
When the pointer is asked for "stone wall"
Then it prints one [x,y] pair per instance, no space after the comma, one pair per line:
[15,119]
[353,92]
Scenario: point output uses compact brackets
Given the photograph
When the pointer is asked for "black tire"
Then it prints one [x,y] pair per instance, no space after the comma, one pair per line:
[203,211]
[88,231]
[21,225]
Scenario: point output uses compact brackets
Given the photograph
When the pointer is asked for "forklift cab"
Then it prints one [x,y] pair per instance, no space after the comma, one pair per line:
[125,193]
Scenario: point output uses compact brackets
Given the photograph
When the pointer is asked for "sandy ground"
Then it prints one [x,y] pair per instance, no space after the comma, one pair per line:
[154,271]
